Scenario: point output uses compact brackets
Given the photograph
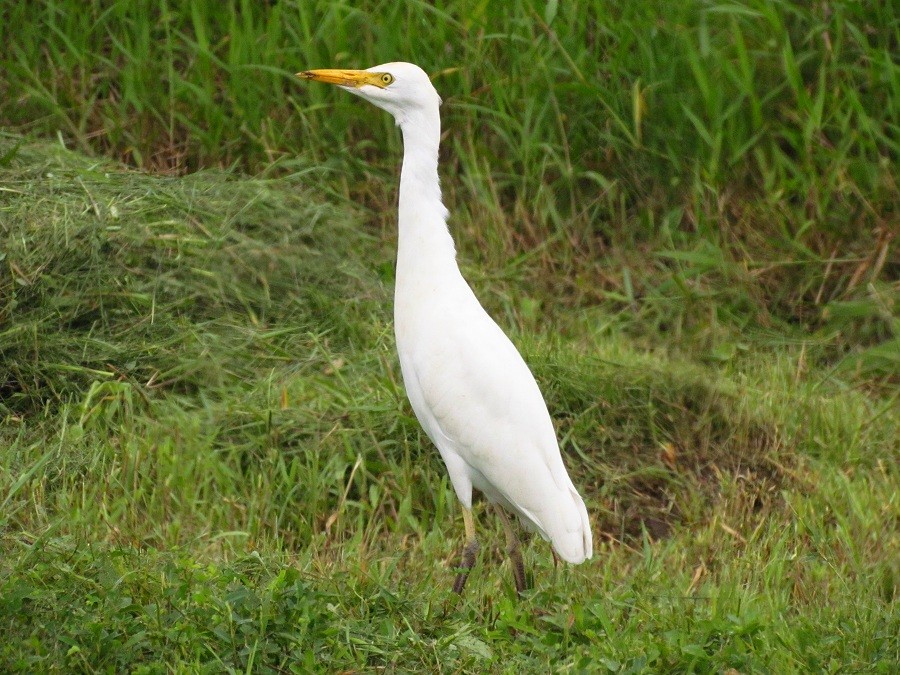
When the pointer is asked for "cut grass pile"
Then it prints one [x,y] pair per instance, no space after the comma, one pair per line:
[208,462]
[272,257]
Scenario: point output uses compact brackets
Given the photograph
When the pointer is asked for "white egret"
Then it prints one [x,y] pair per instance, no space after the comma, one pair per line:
[467,383]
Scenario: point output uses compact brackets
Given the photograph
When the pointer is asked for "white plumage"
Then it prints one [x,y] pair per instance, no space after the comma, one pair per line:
[467,383]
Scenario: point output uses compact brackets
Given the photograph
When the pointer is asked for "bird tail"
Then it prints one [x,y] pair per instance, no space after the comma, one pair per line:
[575,543]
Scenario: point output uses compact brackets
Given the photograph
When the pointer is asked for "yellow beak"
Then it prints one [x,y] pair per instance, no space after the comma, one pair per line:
[344,78]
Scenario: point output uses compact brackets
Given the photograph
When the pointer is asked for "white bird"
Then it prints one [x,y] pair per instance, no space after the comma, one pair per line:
[469,387]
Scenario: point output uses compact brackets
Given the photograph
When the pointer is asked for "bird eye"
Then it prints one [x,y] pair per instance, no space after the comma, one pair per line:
[387,78]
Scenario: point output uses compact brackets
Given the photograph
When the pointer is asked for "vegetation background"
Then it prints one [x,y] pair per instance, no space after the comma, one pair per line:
[684,213]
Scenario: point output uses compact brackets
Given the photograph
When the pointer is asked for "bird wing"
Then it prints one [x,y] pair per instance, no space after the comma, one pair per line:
[480,404]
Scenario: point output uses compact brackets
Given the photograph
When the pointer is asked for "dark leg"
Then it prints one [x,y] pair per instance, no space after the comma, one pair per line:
[470,552]
[514,551]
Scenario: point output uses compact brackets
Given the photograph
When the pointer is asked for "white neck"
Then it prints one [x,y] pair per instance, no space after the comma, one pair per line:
[424,243]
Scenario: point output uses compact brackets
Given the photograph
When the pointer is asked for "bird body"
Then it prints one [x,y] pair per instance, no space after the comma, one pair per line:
[467,383]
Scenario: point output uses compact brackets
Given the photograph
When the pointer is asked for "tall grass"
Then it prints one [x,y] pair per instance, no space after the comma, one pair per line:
[741,150]
[760,90]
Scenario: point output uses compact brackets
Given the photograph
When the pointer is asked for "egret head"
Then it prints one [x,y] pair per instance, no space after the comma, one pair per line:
[400,88]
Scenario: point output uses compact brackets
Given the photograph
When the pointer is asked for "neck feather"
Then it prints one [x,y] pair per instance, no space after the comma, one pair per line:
[423,233]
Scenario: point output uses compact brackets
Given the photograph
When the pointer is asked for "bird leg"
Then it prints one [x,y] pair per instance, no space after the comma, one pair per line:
[514,551]
[469,552]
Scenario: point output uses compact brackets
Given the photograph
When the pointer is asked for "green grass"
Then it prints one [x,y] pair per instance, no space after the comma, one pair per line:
[209,462]
[683,214]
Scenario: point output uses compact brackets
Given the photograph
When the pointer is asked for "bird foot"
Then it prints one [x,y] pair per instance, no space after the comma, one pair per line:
[468,562]
[518,569]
